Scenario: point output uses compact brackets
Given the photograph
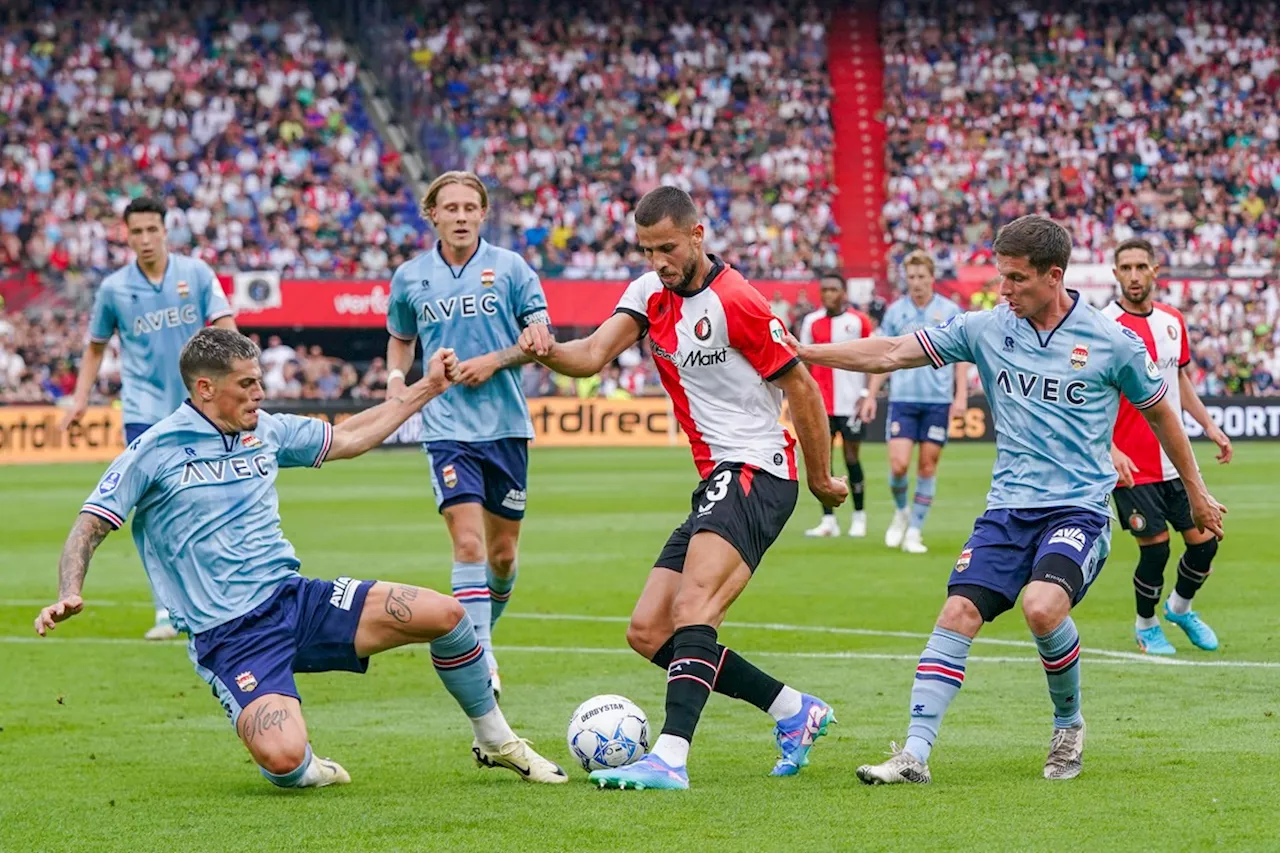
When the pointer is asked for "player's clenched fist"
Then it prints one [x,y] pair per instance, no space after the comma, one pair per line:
[443,366]
[831,492]
[536,340]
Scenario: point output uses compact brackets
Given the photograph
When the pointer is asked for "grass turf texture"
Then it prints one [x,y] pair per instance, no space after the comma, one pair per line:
[109,743]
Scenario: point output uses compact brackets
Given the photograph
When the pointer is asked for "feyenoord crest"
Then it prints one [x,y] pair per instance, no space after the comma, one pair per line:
[702,329]
[487,277]
[184,290]
[450,475]
[246,682]
[965,556]
[1173,332]
[1080,356]
[1137,522]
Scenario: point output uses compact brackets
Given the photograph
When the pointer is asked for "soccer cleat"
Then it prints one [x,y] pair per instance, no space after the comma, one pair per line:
[327,772]
[796,735]
[162,630]
[897,529]
[518,757]
[911,544]
[901,767]
[858,526]
[1152,641]
[1066,753]
[649,772]
[827,527]
[1200,634]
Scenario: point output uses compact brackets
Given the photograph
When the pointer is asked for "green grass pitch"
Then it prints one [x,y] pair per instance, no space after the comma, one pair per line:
[109,743]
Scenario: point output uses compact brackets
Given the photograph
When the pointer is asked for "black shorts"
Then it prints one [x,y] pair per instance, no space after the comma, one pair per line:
[1146,510]
[848,428]
[744,505]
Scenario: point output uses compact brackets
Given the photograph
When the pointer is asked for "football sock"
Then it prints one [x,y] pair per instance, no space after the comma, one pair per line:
[826,510]
[692,672]
[1060,654]
[939,676]
[788,704]
[672,749]
[300,777]
[491,729]
[1193,570]
[459,661]
[898,485]
[925,487]
[499,592]
[1148,578]
[737,677]
[857,485]
[471,588]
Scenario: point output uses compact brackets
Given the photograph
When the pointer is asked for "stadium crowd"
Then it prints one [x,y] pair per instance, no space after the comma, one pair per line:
[1116,119]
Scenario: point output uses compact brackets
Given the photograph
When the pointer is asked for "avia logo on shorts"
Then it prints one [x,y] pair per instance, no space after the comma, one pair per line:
[1072,536]
[450,476]
[705,358]
[168,318]
[965,557]
[937,434]
[246,682]
[515,499]
[344,593]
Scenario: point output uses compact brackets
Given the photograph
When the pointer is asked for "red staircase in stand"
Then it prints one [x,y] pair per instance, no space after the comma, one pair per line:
[857,82]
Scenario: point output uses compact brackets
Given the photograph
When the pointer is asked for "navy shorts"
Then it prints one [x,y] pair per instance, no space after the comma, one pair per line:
[1006,545]
[919,421]
[308,625]
[493,474]
[134,431]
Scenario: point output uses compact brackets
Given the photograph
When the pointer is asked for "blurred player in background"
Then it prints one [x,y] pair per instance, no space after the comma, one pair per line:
[201,485]
[842,392]
[155,305]
[477,297]
[922,403]
[1150,495]
[1054,369]
[720,356]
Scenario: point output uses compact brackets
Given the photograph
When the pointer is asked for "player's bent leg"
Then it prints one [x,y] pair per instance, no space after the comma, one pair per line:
[469,579]
[926,487]
[1148,582]
[899,463]
[1193,570]
[652,625]
[828,526]
[273,730]
[502,545]
[1047,607]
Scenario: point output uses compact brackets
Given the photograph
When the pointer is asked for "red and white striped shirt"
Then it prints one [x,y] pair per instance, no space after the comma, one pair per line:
[717,352]
[841,389]
[1165,334]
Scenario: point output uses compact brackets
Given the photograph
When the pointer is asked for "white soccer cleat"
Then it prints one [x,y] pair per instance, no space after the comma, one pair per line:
[518,756]
[827,527]
[897,529]
[911,542]
[1066,753]
[326,772]
[901,767]
[858,526]
[163,629]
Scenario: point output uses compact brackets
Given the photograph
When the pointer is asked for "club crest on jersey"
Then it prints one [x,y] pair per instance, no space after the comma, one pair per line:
[251,441]
[184,290]
[702,329]
[246,682]
[1080,356]
[487,277]
[1173,332]
[450,476]
[965,557]
[1137,522]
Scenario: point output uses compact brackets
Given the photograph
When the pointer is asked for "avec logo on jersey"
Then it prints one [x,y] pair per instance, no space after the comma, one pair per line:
[225,470]
[470,305]
[1047,388]
[166,318]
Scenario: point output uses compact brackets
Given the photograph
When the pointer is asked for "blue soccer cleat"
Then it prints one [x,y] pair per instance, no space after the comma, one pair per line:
[649,772]
[796,734]
[1152,641]
[1200,634]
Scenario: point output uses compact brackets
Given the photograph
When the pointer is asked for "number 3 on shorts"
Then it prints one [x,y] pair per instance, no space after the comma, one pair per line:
[719,486]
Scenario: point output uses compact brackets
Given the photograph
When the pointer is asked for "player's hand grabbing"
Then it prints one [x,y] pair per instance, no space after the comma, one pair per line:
[1225,450]
[1207,513]
[790,340]
[475,371]
[1124,468]
[441,368]
[536,341]
[831,491]
[61,611]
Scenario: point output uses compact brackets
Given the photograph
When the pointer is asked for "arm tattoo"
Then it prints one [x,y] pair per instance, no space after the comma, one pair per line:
[264,717]
[86,535]
[397,605]
[510,357]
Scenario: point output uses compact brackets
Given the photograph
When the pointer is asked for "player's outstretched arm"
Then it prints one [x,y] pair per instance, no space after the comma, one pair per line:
[867,355]
[367,430]
[479,370]
[85,537]
[809,417]
[585,356]
[1167,425]
[400,353]
[90,364]
[1194,406]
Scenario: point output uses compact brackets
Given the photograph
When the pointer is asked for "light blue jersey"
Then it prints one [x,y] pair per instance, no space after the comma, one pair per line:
[1054,397]
[155,321]
[923,384]
[478,308]
[206,515]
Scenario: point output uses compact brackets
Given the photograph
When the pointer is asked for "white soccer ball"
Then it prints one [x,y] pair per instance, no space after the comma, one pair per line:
[608,731]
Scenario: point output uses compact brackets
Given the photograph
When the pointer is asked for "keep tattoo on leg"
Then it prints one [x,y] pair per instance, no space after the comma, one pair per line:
[264,717]
[397,605]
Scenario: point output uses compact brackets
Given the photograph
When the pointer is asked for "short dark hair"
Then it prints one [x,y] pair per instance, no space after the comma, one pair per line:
[211,352]
[144,204]
[666,203]
[1136,243]
[1043,242]
[828,273]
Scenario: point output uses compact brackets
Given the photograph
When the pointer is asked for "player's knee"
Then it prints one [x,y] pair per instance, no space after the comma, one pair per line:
[1045,605]
[1199,557]
[960,614]
[282,757]
[927,468]
[1154,557]
[502,556]
[451,612]
[468,546]
[646,637]
[898,467]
